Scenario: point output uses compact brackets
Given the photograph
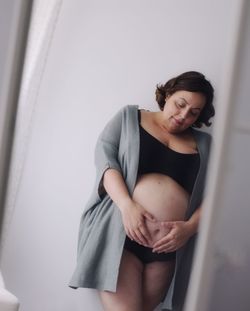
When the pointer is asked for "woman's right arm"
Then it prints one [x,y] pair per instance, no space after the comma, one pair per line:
[133,214]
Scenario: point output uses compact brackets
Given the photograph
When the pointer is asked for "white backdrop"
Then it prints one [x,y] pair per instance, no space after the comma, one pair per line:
[101,55]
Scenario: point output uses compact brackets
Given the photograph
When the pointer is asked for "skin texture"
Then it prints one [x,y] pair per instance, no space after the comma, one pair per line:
[154,215]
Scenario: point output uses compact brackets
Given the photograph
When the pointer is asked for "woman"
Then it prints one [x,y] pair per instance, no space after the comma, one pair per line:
[138,231]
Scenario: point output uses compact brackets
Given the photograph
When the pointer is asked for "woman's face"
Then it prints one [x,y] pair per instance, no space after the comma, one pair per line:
[181,110]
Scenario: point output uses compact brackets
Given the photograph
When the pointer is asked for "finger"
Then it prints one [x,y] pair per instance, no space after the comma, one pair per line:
[166,239]
[149,216]
[140,236]
[170,242]
[170,249]
[135,236]
[167,224]
[165,248]
[166,251]
[145,232]
[169,239]
[130,235]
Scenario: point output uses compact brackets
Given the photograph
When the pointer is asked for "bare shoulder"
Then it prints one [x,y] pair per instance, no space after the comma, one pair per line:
[147,116]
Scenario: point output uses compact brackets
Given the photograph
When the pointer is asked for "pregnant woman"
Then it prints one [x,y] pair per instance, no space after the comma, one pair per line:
[138,231]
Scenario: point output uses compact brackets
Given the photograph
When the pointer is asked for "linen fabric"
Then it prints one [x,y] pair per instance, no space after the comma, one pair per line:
[101,234]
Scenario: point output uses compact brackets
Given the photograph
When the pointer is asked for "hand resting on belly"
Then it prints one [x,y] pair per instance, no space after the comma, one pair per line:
[163,198]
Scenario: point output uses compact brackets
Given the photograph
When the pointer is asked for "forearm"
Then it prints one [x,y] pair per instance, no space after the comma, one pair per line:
[116,188]
[193,222]
[133,214]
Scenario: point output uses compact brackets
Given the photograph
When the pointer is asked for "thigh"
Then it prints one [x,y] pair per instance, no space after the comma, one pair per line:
[128,296]
[157,277]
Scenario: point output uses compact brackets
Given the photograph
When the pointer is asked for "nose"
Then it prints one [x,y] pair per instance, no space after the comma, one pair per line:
[183,114]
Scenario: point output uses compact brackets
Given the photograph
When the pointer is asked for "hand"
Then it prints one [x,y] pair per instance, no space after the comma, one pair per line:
[133,217]
[179,234]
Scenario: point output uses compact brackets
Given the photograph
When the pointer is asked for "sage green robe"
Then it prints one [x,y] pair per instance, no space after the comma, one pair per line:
[101,233]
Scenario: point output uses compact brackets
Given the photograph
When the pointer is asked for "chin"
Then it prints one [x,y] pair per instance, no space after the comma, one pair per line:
[175,130]
[178,131]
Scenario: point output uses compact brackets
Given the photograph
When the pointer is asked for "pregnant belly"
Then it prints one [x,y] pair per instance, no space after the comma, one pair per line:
[165,199]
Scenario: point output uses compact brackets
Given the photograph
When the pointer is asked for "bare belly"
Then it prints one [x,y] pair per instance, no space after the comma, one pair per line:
[165,199]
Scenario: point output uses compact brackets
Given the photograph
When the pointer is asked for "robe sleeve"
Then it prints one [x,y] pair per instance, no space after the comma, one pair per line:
[208,143]
[107,150]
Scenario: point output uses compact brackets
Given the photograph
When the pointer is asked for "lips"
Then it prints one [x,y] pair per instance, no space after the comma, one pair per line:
[178,122]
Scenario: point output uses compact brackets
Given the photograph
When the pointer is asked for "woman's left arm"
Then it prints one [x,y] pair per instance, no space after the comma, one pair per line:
[180,232]
[194,221]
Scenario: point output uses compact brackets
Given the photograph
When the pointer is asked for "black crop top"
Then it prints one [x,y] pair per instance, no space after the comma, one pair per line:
[155,157]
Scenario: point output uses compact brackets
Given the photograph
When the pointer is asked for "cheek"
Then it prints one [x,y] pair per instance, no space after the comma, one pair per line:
[173,110]
[167,111]
[191,120]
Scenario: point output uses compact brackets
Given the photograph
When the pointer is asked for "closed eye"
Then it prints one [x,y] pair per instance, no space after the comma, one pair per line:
[195,113]
[180,104]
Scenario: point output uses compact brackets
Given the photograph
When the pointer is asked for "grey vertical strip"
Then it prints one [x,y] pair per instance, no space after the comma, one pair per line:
[42,27]
[15,17]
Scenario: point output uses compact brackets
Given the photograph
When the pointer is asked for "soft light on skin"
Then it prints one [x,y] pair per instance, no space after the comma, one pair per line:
[181,110]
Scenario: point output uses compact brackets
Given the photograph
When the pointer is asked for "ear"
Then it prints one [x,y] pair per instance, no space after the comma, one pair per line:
[167,97]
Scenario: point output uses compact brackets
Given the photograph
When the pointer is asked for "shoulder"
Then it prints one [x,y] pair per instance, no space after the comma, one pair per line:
[126,111]
[125,115]
[129,109]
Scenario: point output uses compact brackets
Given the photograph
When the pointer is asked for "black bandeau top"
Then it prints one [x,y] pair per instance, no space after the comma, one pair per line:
[155,157]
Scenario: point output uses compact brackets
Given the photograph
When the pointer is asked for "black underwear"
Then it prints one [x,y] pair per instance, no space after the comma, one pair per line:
[145,254]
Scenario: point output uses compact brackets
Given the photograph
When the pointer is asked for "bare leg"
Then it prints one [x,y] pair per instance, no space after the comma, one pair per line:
[128,296]
[157,277]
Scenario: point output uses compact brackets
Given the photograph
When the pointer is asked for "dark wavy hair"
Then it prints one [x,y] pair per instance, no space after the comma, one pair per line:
[191,81]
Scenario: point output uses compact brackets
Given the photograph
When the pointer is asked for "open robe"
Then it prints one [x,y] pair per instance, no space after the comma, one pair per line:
[101,234]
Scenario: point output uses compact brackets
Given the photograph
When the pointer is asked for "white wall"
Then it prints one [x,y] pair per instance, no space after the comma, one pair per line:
[103,55]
